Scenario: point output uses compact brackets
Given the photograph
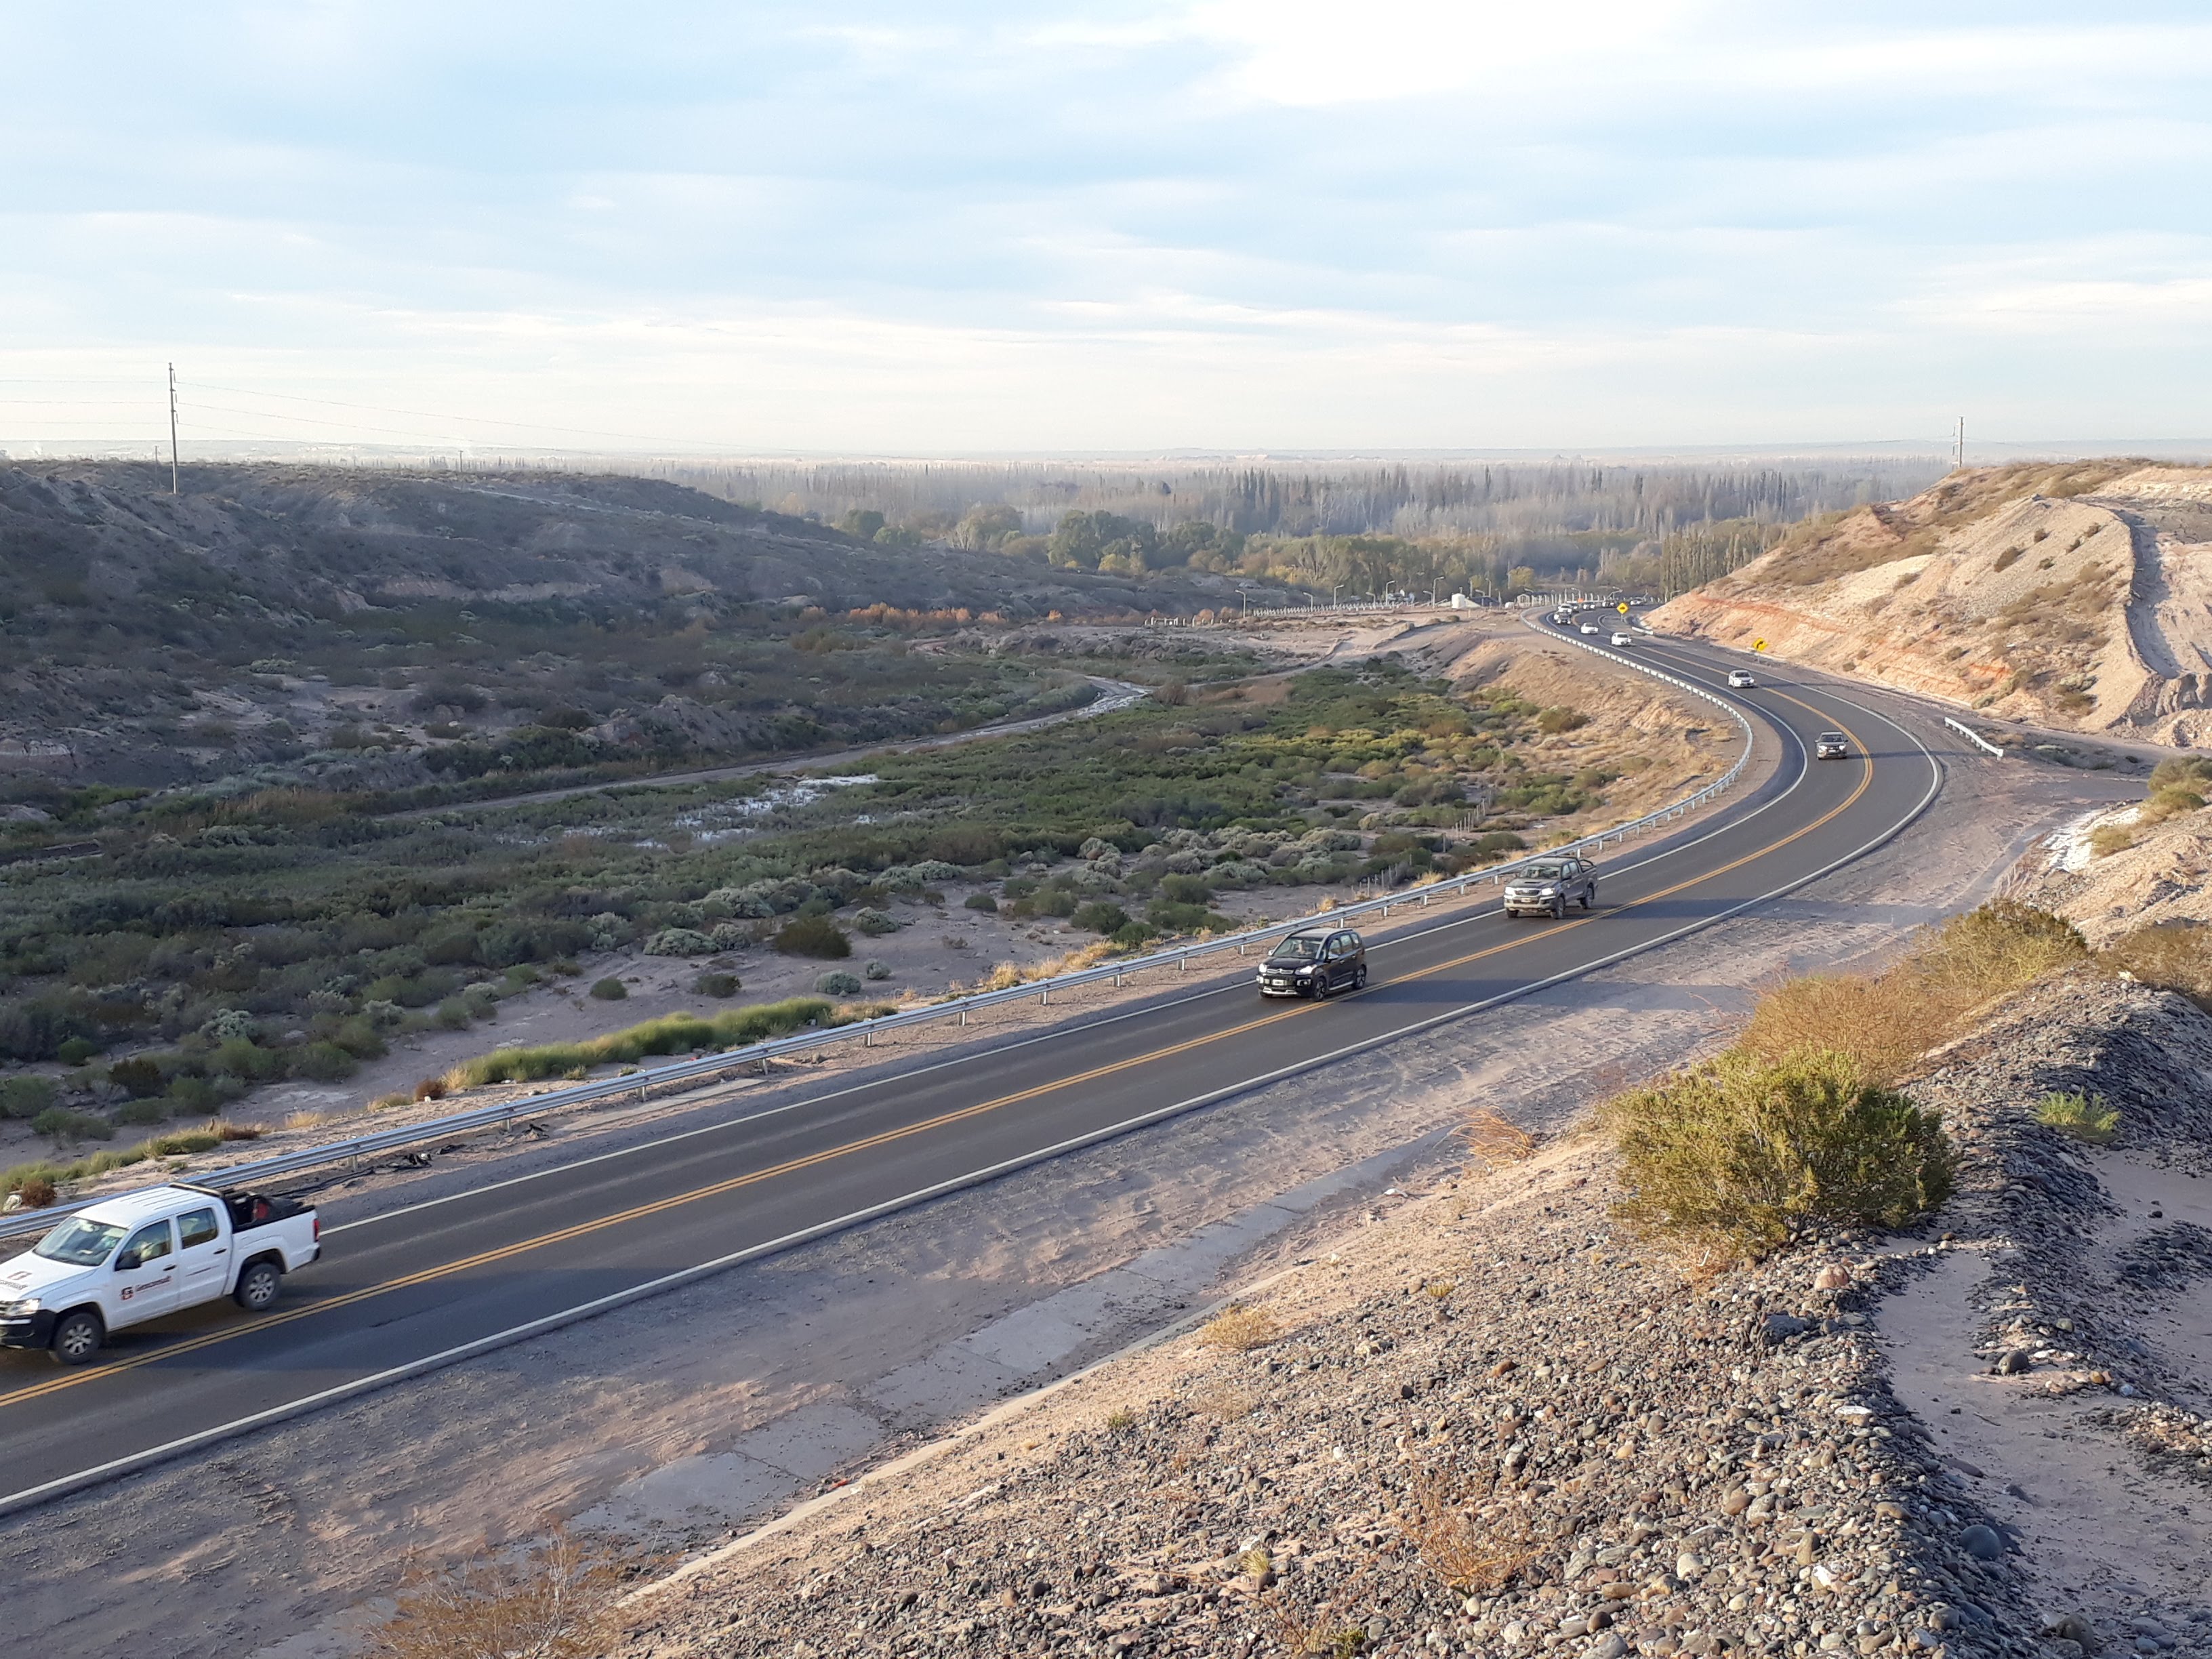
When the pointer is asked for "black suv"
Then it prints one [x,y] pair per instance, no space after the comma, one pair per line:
[1314,962]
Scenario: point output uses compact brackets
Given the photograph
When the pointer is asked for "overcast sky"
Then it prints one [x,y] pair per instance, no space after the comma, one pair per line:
[932,226]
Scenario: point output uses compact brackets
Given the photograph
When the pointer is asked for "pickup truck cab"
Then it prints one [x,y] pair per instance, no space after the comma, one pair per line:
[1315,962]
[1544,888]
[144,1255]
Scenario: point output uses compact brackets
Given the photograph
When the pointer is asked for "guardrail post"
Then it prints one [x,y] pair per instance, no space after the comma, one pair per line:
[963,1014]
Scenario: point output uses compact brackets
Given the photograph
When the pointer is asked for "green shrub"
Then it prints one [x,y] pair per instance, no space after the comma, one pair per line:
[2172,956]
[837,983]
[1187,890]
[1552,722]
[2083,1116]
[185,1140]
[62,1124]
[323,1062]
[813,936]
[453,1014]
[875,923]
[717,984]
[1100,916]
[609,990]
[25,1097]
[76,1051]
[680,942]
[876,969]
[143,1111]
[1743,1153]
[139,1078]
[669,1035]
[982,902]
[1131,935]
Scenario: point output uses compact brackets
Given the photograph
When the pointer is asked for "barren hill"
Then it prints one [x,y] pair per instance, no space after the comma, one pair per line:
[2076,595]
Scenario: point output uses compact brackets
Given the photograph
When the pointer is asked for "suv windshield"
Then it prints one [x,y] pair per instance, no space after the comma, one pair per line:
[80,1243]
[1299,947]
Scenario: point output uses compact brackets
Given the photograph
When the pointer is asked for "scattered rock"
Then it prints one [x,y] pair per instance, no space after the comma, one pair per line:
[1981,1542]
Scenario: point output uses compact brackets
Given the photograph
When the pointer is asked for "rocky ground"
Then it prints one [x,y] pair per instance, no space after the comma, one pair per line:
[1489,1420]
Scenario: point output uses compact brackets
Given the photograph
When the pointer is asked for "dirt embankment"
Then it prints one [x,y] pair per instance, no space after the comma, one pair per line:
[2076,596]
[1492,1422]
[2112,871]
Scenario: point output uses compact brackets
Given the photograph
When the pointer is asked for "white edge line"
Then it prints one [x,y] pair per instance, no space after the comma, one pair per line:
[30,1497]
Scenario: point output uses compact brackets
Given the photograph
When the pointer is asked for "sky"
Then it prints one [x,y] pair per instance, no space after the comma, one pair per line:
[939,227]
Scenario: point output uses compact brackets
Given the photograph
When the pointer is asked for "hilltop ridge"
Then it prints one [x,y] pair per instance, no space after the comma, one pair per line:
[2076,595]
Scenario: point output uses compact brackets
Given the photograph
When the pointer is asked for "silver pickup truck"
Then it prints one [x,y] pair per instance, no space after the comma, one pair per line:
[1545,887]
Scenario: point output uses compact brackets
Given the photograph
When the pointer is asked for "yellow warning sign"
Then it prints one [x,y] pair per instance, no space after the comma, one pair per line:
[1759,645]
[1622,607]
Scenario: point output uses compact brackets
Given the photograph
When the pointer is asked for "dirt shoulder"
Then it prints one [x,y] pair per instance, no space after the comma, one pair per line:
[1489,1420]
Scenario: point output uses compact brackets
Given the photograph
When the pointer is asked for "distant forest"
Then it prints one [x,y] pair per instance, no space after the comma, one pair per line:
[1481,527]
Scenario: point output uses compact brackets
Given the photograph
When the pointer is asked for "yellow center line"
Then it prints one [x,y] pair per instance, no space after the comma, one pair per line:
[885,1138]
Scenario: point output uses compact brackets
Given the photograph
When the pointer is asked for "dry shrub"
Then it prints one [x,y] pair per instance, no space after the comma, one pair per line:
[556,1601]
[2107,839]
[228,1131]
[430,1088]
[1741,1155]
[1474,1546]
[36,1194]
[1494,1139]
[1884,1022]
[1226,1403]
[1240,1330]
[2172,956]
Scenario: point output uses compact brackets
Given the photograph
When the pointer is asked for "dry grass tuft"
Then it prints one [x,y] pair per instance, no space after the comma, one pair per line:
[1496,1141]
[1474,1546]
[1240,1330]
[2173,956]
[556,1601]
[1226,1403]
[2085,1117]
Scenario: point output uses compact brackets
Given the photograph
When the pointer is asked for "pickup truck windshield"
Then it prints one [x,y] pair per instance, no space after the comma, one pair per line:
[79,1242]
[1297,950]
[1544,872]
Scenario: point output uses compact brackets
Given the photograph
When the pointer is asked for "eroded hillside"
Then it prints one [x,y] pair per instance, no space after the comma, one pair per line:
[2077,595]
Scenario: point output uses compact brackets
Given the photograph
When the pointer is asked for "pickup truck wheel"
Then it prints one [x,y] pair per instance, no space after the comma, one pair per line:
[1590,897]
[77,1338]
[1559,909]
[258,1286]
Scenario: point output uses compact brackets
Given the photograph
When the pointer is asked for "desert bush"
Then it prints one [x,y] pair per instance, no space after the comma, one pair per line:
[25,1097]
[2107,839]
[1240,1330]
[2172,956]
[982,902]
[59,1123]
[34,1193]
[669,1035]
[1474,1548]
[837,983]
[1552,721]
[185,1140]
[1100,916]
[813,936]
[609,990]
[139,1078]
[1744,1153]
[2083,1116]
[876,923]
[1884,1022]
[430,1088]
[1495,1139]
[717,984]
[876,969]
[680,942]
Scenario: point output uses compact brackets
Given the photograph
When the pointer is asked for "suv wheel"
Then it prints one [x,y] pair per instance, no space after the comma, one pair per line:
[77,1338]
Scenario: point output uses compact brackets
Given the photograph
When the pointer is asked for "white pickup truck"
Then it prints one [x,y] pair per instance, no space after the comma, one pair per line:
[144,1255]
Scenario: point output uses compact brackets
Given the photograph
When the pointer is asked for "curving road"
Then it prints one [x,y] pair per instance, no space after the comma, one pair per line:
[421,1287]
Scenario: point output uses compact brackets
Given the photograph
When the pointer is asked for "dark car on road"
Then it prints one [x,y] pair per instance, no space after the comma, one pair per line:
[1315,962]
[1545,887]
[1831,745]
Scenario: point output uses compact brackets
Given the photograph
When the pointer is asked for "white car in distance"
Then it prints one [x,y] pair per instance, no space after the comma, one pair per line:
[1589,628]
[1623,639]
[1740,678]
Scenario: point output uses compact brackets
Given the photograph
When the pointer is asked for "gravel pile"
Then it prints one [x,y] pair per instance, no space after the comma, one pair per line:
[1491,1421]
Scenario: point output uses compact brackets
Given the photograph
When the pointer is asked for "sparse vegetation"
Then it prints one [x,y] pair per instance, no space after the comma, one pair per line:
[1494,1138]
[813,936]
[1240,1330]
[610,990]
[671,1034]
[2172,956]
[2084,1117]
[556,1600]
[1474,1543]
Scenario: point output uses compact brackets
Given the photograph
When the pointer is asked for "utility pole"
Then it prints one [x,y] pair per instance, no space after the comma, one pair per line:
[1959,448]
[173,429]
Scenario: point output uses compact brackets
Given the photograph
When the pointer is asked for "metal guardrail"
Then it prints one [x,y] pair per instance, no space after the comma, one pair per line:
[1180,957]
[1974,737]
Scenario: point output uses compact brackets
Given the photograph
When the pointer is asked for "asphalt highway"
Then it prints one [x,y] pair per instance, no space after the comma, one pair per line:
[406,1289]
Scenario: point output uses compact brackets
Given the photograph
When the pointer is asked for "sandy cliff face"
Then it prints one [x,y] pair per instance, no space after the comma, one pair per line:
[2078,596]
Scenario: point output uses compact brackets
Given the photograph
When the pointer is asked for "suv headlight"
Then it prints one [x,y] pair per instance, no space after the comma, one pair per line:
[29,1305]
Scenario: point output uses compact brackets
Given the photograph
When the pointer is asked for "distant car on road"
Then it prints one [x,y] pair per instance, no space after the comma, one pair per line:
[1589,628]
[1544,888]
[1619,638]
[1315,962]
[1740,679]
[1831,745]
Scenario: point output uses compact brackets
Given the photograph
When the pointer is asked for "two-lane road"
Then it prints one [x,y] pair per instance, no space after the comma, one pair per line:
[408,1288]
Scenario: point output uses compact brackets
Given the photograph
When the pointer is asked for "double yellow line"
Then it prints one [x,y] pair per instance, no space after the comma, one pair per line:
[737,1183]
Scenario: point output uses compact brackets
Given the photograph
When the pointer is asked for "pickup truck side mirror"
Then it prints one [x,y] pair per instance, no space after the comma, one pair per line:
[127,1261]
